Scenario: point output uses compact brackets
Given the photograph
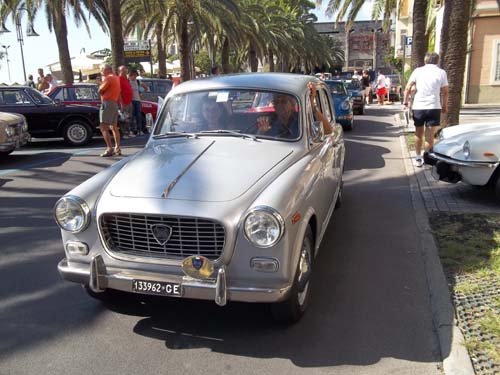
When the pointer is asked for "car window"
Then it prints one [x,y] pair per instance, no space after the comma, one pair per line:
[353,85]
[325,104]
[85,93]
[234,111]
[58,94]
[14,97]
[336,87]
[162,87]
[39,98]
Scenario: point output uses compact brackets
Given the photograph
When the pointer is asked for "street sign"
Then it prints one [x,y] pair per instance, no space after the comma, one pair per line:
[137,51]
[408,50]
[409,40]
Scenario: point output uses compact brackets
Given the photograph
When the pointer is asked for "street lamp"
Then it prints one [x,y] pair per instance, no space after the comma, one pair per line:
[7,57]
[30,31]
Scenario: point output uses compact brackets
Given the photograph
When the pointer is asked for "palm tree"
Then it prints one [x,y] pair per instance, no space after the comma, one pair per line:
[55,12]
[455,53]
[420,40]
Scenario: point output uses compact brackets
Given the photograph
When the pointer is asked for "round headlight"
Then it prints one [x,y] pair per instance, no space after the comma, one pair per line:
[263,227]
[466,149]
[25,126]
[10,131]
[72,214]
[345,105]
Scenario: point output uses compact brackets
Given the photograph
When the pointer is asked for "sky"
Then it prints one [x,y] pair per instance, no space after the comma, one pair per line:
[42,50]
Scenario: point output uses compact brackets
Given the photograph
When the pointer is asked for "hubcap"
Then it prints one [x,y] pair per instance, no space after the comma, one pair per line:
[77,133]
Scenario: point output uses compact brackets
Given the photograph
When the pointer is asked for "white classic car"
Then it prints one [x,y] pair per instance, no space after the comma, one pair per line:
[229,200]
[468,153]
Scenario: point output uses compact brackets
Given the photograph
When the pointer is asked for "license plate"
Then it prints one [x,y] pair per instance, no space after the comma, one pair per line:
[157,288]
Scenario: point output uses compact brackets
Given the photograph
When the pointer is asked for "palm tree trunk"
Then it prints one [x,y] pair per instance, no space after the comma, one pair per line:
[271,60]
[116,32]
[61,31]
[184,50]
[419,47]
[226,67]
[443,48]
[456,55]
[162,55]
[252,58]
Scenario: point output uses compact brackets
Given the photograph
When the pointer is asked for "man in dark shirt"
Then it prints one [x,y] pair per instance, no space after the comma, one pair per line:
[284,122]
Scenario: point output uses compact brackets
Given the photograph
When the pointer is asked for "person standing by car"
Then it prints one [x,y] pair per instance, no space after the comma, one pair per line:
[30,82]
[42,83]
[136,120]
[365,86]
[381,89]
[431,98]
[108,114]
[125,97]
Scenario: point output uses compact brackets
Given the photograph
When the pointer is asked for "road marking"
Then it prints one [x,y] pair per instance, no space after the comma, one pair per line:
[36,164]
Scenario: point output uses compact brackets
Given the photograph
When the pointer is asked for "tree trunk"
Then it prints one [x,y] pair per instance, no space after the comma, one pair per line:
[61,31]
[419,45]
[116,32]
[271,60]
[252,58]
[456,55]
[184,50]
[162,55]
[445,32]
[226,67]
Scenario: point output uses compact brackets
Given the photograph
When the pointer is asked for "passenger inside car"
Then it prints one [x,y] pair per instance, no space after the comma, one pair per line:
[214,115]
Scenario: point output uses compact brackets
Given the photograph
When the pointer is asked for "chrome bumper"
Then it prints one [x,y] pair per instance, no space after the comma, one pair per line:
[98,277]
[460,163]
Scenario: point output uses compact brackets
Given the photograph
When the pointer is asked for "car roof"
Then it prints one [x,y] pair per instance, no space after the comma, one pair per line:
[286,82]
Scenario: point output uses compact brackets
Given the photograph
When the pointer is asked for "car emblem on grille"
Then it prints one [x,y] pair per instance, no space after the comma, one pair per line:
[161,233]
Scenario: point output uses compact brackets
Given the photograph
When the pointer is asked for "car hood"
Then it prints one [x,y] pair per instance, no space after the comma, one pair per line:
[481,137]
[11,118]
[210,169]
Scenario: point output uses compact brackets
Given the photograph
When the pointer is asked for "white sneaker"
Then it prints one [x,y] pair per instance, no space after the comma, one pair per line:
[418,162]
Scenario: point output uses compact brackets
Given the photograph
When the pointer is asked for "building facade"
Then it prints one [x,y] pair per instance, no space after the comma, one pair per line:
[483,65]
[365,44]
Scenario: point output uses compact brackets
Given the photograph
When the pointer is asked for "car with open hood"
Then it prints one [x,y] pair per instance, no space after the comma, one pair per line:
[469,153]
[216,206]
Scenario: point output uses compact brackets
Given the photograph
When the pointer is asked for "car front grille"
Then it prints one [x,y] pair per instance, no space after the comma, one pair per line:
[143,236]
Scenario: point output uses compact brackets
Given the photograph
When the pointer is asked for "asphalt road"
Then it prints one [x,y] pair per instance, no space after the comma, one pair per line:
[370,310]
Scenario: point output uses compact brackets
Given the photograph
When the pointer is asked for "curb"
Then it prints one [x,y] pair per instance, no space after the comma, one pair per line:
[451,341]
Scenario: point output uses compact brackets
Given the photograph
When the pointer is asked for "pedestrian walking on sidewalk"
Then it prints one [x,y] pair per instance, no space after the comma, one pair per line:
[108,114]
[381,88]
[431,98]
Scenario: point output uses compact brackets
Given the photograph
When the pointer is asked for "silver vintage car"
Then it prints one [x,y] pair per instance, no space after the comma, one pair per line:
[229,199]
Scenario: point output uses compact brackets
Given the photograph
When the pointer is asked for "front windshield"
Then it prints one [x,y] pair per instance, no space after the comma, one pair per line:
[228,112]
[39,98]
[336,87]
[353,85]
[395,80]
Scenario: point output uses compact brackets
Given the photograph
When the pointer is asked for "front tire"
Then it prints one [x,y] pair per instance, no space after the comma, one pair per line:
[77,133]
[291,310]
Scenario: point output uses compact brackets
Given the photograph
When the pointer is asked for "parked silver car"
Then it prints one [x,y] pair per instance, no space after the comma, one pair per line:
[215,207]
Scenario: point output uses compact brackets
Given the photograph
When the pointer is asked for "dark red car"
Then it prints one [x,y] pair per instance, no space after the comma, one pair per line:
[87,94]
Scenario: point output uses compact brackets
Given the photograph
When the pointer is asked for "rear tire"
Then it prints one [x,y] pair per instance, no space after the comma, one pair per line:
[496,186]
[77,132]
[291,310]
[348,127]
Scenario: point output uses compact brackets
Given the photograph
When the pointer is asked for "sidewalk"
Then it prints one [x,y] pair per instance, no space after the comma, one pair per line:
[436,197]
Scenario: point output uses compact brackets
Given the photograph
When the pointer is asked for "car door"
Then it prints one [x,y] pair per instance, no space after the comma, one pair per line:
[45,116]
[322,148]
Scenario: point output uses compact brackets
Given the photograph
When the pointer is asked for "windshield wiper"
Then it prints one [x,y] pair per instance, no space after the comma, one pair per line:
[231,132]
[174,135]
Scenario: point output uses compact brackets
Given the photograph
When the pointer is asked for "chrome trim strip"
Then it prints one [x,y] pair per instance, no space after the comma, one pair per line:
[176,180]
[472,164]
[97,271]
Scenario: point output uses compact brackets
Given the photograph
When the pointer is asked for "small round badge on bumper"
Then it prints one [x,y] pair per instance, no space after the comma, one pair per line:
[198,267]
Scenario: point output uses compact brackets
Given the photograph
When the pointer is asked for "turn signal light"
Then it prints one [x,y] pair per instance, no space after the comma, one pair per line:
[489,154]
[78,248]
